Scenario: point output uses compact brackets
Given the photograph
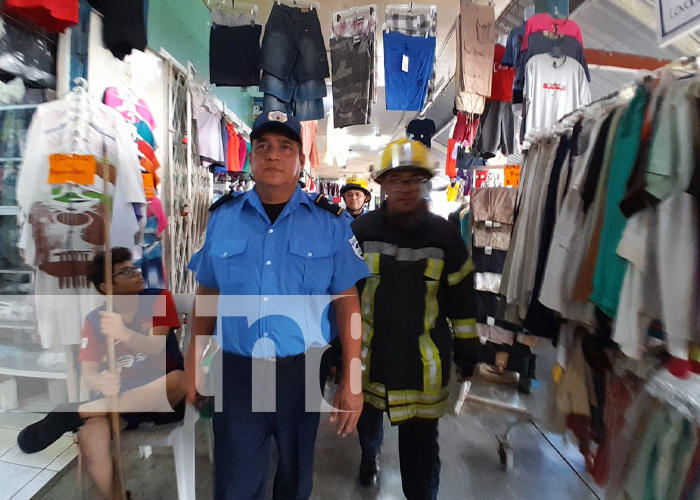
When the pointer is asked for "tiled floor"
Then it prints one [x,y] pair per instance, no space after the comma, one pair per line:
[22,475]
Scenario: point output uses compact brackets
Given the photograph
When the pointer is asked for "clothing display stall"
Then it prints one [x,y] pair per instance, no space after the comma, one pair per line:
[604,261]
[409,55]
[294,61]
[354,65]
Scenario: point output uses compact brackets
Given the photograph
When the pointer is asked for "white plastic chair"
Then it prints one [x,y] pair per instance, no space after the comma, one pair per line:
[180,435]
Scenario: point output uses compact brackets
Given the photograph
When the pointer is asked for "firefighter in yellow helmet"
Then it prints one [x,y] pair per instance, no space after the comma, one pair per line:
[356,195]
[418,309]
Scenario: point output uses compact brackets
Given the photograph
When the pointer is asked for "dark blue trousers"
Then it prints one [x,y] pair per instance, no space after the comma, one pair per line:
[243,437]
[419,451]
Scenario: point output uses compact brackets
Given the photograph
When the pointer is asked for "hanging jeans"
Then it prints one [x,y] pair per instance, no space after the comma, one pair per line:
[419,451]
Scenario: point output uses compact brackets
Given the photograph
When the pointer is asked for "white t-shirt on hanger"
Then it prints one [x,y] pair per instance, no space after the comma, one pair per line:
[553,87]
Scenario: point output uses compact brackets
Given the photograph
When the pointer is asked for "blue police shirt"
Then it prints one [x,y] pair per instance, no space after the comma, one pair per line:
[275,280]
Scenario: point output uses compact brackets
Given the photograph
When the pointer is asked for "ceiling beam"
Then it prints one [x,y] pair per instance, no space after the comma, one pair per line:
[621,60]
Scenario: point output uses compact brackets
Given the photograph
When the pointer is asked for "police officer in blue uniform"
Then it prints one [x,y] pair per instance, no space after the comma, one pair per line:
[268,245]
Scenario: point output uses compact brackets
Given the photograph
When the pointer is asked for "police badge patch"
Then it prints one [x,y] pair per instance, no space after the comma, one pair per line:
[356,247]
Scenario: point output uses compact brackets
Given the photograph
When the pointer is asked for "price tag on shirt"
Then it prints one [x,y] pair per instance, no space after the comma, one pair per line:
[488,250]
[76,169]
[491,321]
[149,187]
[404,63]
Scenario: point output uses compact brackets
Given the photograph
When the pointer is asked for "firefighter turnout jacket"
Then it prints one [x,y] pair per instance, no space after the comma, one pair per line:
[418,306]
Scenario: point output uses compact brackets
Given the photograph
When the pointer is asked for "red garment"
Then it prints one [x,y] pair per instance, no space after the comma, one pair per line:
[545,22]
[151,165]
[53,15]
[451,165]
[233,158]
[242,151]
[465,129]
[503,77]
[154,311]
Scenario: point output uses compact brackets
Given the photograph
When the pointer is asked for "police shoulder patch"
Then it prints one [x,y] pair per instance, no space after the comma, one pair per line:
[326,204]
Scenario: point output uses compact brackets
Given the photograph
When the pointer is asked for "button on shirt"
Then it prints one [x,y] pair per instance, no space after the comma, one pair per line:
[275,280]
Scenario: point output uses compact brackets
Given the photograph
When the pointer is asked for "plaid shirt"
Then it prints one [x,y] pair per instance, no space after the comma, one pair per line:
[423,24]
[361,25]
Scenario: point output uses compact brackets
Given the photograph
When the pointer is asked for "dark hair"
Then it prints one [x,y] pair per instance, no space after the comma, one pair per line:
[96,268]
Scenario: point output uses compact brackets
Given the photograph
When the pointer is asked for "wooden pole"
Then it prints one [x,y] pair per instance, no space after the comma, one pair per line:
[117,478]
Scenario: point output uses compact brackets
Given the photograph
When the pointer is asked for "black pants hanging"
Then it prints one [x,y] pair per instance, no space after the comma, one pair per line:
[419,451]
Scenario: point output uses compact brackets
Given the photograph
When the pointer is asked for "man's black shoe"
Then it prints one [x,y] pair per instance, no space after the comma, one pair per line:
[369,472]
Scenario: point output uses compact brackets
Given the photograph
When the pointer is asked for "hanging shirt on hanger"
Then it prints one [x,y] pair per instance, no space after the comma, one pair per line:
[62,224]
[553,87]
[421,129]
[503,76]
[124,25]
[513,53]
[545,22]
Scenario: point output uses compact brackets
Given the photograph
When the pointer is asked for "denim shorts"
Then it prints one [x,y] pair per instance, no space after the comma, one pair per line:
[291,90]
[303,111]
[293,45]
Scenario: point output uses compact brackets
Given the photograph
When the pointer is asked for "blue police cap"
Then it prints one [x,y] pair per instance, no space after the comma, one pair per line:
[276,121]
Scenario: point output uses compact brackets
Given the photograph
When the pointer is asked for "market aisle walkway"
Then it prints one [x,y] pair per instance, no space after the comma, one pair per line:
[470,464]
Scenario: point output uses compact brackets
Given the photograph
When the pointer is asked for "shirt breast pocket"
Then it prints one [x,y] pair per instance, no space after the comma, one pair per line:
[227,259]
[316,258]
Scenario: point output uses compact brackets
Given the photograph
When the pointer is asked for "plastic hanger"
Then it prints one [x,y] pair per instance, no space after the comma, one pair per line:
[299,5]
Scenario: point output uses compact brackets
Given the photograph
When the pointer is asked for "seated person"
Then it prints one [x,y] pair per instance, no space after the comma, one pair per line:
[148,384]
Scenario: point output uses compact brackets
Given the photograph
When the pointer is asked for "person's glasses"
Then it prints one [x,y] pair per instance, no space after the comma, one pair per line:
[413,182]
[128,272]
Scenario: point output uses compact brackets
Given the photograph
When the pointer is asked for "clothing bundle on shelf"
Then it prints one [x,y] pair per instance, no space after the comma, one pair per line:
[294,62]
[409,55]
[234,28]
[476,37]
[62,210]
[492,213]
[496,131]
[354,65]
